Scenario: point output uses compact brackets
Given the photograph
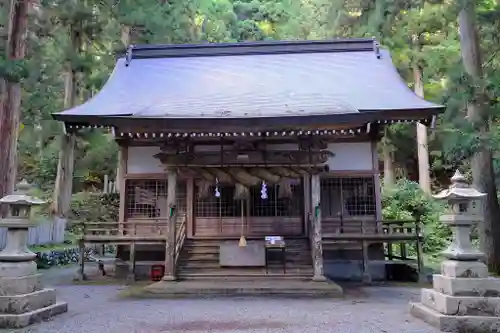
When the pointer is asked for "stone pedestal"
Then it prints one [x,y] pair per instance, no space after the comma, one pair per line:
[23,300]
[463,298]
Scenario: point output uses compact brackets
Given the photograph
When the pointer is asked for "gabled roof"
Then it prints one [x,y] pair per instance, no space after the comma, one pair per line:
[350,78]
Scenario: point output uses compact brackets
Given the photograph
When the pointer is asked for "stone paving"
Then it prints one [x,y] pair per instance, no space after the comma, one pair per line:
[99,309]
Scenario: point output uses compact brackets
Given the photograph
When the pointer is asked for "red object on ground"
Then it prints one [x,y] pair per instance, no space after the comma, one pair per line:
[157,272]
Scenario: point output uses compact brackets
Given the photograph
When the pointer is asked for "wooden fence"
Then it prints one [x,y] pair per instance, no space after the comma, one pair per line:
[46,232]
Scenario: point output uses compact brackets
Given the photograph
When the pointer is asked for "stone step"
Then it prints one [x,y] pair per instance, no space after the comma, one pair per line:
[200,258]
[487,287]
[448,323]
[460,305]
[210,257]
[242,287]
[245,274]
[20,285]
[19,304]
[289,247]
[215,268]
[215,264]
[28,318]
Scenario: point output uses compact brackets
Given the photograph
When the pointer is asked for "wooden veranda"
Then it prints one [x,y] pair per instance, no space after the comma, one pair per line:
[394,236]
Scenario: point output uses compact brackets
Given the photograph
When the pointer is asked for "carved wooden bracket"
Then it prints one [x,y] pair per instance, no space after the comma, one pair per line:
[276,157]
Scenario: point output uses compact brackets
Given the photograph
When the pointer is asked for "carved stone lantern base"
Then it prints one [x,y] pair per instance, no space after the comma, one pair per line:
[463,299]
[23,300]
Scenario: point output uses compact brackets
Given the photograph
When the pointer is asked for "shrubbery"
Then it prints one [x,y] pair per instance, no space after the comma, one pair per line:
[94,207]
[406,201]
[60,257]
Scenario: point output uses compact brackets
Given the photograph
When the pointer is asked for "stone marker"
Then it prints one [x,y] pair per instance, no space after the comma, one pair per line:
[464,298]
[23,300]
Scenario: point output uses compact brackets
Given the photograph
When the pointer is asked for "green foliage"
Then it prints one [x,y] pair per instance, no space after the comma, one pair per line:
[94,207]
[406,201]
[60,257]
[13,70]
[422,32]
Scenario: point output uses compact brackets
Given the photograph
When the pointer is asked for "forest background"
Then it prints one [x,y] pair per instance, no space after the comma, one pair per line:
[58,53]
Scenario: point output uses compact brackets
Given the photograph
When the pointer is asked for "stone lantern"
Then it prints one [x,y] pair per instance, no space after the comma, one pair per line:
[23,300]
[17,224]
[461,218]
[463,298]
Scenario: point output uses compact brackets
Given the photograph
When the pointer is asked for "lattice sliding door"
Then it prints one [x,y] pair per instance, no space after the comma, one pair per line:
[272,216]
[345,202]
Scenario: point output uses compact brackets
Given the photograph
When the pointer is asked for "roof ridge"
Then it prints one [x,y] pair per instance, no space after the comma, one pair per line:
[250,48]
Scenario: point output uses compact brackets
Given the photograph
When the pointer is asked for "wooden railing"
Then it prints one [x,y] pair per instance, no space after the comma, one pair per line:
[131,231]
[391,234]
[371,229]
[180,237]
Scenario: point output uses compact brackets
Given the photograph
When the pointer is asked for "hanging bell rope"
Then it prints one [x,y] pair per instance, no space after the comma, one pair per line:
[243,241]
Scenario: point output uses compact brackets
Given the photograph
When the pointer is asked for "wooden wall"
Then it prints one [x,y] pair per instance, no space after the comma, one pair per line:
[232,227]
[351,159]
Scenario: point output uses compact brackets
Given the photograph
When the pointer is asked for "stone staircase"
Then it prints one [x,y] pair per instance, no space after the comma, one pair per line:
[199,259]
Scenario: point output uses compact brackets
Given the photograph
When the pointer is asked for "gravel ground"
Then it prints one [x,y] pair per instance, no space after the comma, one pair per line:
[97,309]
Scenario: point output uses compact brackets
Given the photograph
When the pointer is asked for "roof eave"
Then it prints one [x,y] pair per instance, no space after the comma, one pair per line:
[365,116]
[249,48]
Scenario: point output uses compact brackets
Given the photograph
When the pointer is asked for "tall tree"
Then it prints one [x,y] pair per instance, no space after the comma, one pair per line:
[478,115]
[424,173]
[10,106]
[74,19]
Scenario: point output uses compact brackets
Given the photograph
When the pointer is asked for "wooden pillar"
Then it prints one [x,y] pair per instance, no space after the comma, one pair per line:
[170,242]
[422,277]
[376,183]
[131,271]
[120,180]
[306,180]
[317,246]
[190,206]
[81,261]
[365,245]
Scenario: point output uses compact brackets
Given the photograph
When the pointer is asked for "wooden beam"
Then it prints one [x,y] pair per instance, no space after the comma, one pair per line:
[317,239]
[186,172]
[285,189]
[203,188]
[172,213]
[205,174]
[222,176]
[243,177]
[265,175]
[242,158]
[284,172]
[300,171]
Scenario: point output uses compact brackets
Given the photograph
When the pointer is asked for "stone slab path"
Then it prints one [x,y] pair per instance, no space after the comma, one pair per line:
[99,309]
